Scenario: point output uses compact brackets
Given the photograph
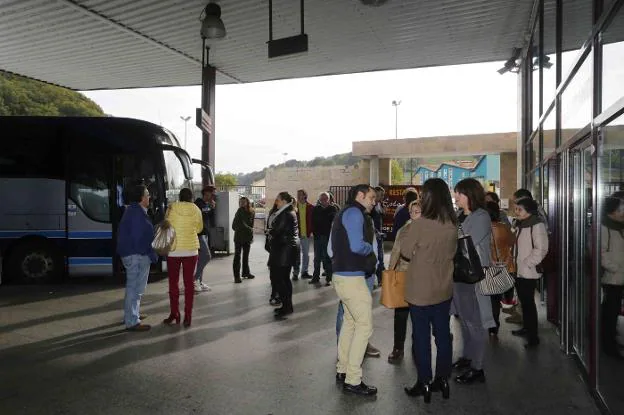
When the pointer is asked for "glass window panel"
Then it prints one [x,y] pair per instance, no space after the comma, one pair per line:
[90,186]
[576,101]
[530,156]
[613,61]
[535,152]
[536,189]
[550,142]
[577,26]
[549,60]
[611,368]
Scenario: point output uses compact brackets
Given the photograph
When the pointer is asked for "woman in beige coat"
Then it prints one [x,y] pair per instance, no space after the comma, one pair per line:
[531,249]
[430,243]
[612,262]
[400,263]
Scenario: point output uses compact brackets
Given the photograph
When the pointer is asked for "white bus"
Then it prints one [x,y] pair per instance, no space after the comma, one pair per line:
[62,182]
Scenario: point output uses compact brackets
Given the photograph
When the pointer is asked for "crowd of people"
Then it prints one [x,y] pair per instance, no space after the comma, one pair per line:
[348,246]
[426,229]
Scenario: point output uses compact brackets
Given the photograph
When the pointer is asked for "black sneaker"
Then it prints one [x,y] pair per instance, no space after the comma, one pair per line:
[305,276]
[340,377]
[295,277]
[462,364]
[362,389]
[315,280]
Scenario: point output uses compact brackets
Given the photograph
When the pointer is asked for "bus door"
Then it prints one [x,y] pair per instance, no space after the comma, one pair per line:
[90,245]
[131,170]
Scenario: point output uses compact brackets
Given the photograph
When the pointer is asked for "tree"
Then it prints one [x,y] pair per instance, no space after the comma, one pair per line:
[23,96]
[225,179]
[396,172]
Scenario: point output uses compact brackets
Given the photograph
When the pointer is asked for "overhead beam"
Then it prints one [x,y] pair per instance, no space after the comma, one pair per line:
[138,35]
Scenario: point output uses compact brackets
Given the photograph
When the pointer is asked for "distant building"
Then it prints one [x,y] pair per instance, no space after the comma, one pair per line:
[486,169]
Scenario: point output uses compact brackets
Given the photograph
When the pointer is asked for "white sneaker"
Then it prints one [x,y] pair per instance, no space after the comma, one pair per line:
[205,287]
[197,286]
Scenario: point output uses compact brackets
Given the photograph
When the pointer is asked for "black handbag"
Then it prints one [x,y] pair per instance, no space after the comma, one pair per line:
[468,269]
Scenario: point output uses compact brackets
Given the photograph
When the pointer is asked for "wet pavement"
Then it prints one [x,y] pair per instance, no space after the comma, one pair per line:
[64,351]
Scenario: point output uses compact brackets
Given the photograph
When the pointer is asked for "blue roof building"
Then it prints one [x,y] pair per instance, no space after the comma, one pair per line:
[486,169]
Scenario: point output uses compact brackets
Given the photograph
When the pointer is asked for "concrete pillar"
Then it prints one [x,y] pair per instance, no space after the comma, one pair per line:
[385,171]
[508,174]
[374,171]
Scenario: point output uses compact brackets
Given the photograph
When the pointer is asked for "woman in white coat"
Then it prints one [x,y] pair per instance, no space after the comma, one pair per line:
[530,250]
[612,261]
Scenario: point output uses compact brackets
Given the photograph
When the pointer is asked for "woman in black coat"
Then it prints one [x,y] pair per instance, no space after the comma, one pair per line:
[284,250]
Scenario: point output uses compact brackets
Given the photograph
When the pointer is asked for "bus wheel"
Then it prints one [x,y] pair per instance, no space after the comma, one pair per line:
[35,261]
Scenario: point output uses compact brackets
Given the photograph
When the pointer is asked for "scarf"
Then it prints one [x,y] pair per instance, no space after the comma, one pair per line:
[612,224]
[276,214]
[529,222]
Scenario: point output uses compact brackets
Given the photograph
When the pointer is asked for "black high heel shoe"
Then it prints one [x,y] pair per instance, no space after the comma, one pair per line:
[187,321]
[419,389]
[170,320]
[441,385]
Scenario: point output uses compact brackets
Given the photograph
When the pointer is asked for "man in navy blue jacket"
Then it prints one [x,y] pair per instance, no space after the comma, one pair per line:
[134,246]
[352,239]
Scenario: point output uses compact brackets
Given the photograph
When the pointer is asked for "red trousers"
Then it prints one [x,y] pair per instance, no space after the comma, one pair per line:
[188,264]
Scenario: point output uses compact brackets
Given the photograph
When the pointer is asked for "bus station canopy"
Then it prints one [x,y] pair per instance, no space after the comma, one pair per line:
[112,44]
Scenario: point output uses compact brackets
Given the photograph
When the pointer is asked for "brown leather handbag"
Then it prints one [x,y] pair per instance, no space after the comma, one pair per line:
[393,289]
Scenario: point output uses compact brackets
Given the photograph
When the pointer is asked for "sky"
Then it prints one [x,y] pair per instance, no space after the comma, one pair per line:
[260,124]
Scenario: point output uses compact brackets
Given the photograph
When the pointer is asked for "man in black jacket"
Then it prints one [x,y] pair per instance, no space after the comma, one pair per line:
[322,218]
[207,205]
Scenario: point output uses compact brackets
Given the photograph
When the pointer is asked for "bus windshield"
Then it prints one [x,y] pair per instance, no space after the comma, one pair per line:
[177,175]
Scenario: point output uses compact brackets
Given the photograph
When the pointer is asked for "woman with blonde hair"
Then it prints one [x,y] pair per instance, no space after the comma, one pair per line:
[186,219]
[400,263]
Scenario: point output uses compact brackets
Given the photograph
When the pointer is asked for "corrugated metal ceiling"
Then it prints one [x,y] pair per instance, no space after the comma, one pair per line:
[62,42]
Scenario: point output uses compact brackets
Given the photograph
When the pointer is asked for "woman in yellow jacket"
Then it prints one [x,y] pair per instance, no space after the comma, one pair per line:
[186,219]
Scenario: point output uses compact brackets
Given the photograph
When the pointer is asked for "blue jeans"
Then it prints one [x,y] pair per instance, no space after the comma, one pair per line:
[320,255]
[424,318]
[303,261]
[137,272]
[370,281]
[204,257]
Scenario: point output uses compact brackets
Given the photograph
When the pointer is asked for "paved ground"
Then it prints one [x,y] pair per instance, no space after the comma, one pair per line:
[62,351]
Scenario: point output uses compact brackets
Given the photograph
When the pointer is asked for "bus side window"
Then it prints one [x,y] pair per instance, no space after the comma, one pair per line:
[89,187]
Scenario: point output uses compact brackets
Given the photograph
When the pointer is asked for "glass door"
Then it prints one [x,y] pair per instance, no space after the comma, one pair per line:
[580,250]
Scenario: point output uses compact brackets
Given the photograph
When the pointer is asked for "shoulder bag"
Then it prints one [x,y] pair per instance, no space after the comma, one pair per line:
[467,265]
[393,288]
[497,277]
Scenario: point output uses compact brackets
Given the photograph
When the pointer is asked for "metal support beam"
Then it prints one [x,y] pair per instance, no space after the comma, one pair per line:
[138,35]
[209,76]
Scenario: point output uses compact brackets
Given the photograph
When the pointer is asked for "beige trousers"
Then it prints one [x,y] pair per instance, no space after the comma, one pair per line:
[357,326]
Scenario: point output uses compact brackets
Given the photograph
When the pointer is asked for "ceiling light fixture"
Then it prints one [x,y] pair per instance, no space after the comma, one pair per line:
[512,64]
[212,26]
[546,64]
